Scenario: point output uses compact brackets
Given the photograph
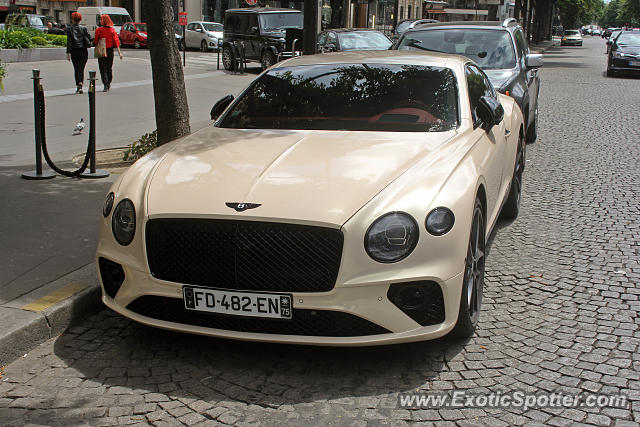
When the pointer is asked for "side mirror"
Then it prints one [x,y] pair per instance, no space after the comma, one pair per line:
[254,30]
[534,60]
[220,106]
[490,112]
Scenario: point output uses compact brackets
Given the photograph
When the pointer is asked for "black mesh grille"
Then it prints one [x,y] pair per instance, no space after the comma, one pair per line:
[244,255]
[319,323]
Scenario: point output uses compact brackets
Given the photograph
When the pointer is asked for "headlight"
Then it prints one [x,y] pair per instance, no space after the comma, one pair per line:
[439,221]
[108,204]
[619,54]
[392,237]
[123,222]
[211,36]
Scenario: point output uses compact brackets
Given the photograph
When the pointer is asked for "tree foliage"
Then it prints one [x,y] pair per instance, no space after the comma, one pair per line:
[629,13]
[575,13]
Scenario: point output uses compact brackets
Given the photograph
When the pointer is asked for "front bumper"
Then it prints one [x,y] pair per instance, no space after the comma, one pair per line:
[571,42]
[365,303]
[630,64]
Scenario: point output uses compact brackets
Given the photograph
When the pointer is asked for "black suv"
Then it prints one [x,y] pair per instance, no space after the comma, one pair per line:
[499,48]
[263,34]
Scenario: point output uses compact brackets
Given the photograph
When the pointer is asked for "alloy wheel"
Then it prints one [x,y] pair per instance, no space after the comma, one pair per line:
[474,267]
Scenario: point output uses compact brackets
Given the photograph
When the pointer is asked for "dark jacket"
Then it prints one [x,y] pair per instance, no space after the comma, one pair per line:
[77,37]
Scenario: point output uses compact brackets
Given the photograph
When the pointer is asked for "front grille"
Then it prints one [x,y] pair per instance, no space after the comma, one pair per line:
[318,323]
[244,255]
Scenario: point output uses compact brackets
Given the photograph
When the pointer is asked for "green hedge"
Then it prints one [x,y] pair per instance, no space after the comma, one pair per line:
[15,39]
[25,38]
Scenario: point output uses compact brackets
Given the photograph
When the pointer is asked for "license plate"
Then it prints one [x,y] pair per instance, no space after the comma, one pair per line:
[634,63]
[253,304]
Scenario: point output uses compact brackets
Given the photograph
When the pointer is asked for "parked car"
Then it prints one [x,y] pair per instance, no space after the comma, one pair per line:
[316,211]
[409,24]
[499,48]
[134,34]
[266,35]
[624,54]
[38,22]
[203,35]
[341,39]
[571,38]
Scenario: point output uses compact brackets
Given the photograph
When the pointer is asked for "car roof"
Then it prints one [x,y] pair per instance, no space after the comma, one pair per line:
[204,22]
[402,57]
[493,25]
[261,10]
[350,30]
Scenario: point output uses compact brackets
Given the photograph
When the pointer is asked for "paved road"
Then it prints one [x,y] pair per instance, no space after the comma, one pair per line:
[126,111]
[560,313]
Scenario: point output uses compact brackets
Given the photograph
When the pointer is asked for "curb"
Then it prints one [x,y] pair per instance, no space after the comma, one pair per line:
[23,330]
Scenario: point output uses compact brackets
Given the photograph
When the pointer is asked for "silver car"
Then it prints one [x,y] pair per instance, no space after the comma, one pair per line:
[203,35]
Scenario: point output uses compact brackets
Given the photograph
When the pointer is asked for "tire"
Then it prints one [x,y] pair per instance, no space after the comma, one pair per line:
[203,46]
[473,281]
[532,130]
[227,58]
[268,59]
[511,207]
[136,44]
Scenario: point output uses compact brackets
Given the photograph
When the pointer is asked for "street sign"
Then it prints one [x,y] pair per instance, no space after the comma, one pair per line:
[251,2]
[182,18]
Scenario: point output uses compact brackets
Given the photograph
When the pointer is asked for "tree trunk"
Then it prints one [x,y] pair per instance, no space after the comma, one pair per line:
[492,12]
[310,34]
[170,96]
[516,10]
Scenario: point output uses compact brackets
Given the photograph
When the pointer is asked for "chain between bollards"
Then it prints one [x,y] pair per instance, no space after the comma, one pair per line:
[38,173]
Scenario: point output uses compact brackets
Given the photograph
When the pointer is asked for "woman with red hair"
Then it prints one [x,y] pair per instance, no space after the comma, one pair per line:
[107,32]
[78,41]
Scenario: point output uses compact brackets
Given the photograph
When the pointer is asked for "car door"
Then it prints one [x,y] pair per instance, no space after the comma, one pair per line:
[332,42]
[253,45]
[190,35]
[125,35]
[322,39]
[492,143]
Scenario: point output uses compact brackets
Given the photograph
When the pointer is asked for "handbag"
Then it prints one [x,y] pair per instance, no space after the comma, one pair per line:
[101,48]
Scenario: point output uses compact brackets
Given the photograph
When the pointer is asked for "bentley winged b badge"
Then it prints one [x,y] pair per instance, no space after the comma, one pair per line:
[242,206]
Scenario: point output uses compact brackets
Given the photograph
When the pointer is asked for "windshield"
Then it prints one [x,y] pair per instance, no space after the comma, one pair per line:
[628,39]
[119,20]
[490,49]
[210,26]
[274,21]
[402,27]
[364,40]
[571,32]
[35,21]
[142,27]
[357,97]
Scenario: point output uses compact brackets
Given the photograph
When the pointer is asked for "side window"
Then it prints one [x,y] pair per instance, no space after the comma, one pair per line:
[191,27]
[253,23]
[231,23]
[243,23]
[521,44]
[478,86]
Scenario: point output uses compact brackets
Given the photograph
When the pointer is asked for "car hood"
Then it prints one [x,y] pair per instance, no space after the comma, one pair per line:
[216,34]
[633,50]
[320,177]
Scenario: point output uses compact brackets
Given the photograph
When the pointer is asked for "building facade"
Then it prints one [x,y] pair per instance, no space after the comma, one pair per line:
[379,14]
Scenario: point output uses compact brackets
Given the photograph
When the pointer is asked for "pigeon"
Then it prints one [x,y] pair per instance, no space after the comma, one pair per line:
[79,127]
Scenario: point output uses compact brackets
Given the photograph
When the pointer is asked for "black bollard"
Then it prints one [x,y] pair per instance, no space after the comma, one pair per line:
[38,173]
[93,173]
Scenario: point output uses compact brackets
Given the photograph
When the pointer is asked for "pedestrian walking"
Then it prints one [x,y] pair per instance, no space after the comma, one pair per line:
[78,41]
[107,33]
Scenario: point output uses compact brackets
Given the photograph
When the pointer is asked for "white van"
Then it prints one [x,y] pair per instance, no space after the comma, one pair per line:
[91,17]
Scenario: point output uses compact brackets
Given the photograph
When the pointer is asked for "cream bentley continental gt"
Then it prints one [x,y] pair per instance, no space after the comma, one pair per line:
[341,199]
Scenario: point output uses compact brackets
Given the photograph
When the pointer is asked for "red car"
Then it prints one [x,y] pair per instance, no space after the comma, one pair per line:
[134,34]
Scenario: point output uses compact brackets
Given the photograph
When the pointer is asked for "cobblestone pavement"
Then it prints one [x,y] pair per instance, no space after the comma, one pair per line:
[560,311]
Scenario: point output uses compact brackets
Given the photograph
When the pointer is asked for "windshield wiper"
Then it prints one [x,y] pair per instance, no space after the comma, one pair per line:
[418,45]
